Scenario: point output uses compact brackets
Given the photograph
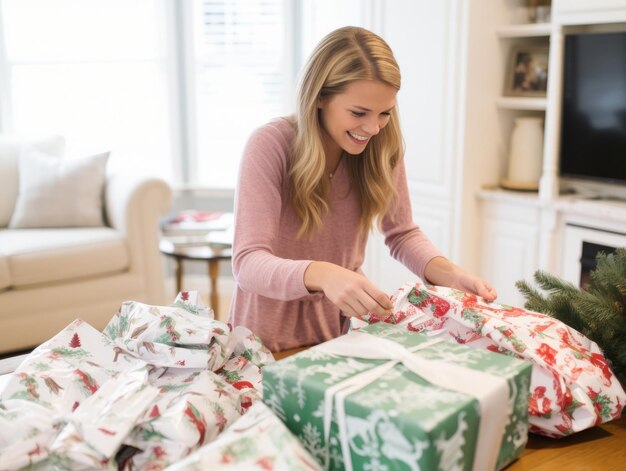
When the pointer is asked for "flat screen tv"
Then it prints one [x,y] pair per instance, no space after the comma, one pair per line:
[593,132]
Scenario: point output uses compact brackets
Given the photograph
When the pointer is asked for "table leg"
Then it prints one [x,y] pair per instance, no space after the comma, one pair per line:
[214,270]
[179,275]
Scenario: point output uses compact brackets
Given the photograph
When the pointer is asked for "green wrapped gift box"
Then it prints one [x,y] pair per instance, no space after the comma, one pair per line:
[383,398]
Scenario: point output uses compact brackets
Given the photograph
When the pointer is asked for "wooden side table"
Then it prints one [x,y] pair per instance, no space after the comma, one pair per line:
[209,253]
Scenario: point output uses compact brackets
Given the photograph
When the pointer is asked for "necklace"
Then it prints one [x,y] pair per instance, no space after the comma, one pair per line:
[332,174]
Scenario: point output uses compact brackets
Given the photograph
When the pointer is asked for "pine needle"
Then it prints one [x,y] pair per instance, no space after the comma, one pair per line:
[599,312]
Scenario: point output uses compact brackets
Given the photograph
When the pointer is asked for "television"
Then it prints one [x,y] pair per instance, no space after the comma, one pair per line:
[593,121]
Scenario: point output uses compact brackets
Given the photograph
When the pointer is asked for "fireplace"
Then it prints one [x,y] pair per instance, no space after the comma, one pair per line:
[588,261]
[582,245]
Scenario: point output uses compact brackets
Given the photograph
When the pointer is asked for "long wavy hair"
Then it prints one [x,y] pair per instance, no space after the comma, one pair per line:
[343,56]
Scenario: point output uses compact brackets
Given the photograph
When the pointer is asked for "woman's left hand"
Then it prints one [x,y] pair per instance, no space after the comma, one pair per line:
[440,271]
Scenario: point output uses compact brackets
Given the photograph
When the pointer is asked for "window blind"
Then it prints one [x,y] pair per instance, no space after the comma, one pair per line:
[242,79]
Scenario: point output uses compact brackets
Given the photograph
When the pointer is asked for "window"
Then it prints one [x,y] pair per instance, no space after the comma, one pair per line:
[93,71]
[241,79]
[171,87]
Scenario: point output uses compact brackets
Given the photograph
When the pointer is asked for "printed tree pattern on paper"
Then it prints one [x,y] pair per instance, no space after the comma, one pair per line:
[157,384]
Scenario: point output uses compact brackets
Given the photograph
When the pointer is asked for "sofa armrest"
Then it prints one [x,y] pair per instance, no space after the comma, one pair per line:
[134,205]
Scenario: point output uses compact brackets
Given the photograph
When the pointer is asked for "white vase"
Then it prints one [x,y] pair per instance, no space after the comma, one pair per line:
[525,156]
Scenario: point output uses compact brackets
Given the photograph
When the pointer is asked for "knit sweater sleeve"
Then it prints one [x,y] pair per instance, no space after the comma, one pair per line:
[406,241]
[258,205]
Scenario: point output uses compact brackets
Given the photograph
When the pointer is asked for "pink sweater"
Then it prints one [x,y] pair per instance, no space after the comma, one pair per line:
[269,261]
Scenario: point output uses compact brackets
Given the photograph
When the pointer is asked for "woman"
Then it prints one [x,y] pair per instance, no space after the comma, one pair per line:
[310,188]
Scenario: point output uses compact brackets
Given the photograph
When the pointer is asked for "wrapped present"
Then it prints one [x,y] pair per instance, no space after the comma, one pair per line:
[160,383]
[384,398]
[256,441]
[69,393]
[572,386]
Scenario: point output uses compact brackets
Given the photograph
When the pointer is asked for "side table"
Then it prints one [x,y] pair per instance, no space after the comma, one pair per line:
[209,253]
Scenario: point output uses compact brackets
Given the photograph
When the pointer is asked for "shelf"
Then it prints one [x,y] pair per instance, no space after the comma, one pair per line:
[522,103]
[525,30]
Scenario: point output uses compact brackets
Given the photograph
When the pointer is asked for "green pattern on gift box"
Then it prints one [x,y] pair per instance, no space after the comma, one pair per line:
[400,421]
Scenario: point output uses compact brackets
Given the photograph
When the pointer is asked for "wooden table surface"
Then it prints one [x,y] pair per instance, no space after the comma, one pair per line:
[601,448]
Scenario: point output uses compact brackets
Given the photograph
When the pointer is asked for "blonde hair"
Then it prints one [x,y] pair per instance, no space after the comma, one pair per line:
[343,56]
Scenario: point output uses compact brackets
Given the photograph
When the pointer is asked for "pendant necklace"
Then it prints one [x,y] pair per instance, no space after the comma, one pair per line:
[332,174]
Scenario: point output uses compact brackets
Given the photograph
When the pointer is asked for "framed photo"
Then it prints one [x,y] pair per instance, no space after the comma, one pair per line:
[527,72]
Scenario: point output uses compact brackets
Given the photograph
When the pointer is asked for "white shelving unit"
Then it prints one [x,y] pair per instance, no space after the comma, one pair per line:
[522,103]
[522,232]
[525,30]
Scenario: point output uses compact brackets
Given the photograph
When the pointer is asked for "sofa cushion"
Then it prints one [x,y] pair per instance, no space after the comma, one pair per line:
[10,148]
[37,256]
[58,193]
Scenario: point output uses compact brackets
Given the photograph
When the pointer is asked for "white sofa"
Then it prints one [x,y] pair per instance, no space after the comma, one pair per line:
[51,276]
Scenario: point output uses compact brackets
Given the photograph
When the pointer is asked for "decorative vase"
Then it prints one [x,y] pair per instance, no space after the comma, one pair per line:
[525,156]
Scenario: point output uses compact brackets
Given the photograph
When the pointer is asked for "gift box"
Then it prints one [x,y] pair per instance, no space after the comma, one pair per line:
[385,398]
[256,441]
[572,386]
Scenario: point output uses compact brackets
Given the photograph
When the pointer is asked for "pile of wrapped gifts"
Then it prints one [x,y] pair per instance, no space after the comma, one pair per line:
[445,382]
[158,385]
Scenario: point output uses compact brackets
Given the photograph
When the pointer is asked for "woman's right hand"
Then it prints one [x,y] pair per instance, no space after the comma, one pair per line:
[351,292]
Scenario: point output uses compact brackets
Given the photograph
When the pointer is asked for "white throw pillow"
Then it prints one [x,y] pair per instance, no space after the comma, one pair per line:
[10,148]
[58,193]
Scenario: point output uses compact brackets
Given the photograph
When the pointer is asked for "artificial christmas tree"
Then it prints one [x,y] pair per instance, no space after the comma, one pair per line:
[598,312]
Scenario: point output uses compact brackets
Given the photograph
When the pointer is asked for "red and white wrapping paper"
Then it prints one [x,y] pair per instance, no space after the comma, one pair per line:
[572,385]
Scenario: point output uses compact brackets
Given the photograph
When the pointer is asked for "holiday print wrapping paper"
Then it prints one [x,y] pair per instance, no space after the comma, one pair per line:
[572,386]
[350,416]
[159,383]
[257,441]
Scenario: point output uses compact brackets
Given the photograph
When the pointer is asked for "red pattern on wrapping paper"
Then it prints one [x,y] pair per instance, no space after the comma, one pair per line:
[246,402]
[599,361]
[265,463]
[106,431]
[430,324]
[439,306]
[90,384]
[393,318]
[159,452]
[547,353]
[220,420]
[184,295]
[34,452]
[155,412]
[469,337]
[243,384]
[200,424]
[75,342]
[596,404]
[538,404]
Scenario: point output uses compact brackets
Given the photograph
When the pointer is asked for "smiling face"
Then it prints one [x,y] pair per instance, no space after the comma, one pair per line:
[351,118]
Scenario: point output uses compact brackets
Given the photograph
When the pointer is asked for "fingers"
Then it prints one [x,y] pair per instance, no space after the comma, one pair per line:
[488,292]
[363,301]
[356,296]
[484,290]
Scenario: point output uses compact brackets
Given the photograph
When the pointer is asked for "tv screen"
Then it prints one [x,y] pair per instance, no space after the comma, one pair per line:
[593,133]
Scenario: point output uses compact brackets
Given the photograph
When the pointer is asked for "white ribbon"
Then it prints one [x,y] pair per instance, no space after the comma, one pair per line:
[490,391]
